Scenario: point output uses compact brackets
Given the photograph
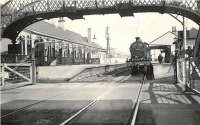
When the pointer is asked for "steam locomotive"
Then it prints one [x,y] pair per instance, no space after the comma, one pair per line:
[140,61]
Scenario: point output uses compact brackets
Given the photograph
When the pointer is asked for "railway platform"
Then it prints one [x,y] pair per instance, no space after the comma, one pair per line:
[64,73]
[61,73]
[166,103]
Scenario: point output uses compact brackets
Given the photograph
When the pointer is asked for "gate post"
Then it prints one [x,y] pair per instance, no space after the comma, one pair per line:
[31,77]
[2,75]
[185,74]
[175,65]
[33,66]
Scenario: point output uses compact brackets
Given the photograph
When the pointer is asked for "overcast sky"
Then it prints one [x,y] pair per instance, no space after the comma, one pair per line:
[123,31]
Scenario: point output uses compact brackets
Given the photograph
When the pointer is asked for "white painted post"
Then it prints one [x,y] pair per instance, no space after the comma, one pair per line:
[31,71]
[22,48]
[184,56]
[25,42]
[33,65]
[3,75]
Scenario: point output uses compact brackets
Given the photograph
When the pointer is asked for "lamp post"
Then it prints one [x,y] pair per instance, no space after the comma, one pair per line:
[33,61]
[174,61]
[108,45]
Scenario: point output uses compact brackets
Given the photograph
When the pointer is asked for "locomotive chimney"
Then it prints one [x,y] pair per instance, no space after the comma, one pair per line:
[137,38]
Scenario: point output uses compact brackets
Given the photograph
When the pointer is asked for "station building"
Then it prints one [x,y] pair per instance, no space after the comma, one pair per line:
[165,43]
[54,46]
[191,36]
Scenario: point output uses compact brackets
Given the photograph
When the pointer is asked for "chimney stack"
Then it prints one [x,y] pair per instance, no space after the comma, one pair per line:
[89,35]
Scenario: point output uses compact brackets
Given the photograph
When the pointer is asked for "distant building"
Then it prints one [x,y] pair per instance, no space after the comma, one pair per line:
[164,45]
[56,46]
[191,36]
[116,56]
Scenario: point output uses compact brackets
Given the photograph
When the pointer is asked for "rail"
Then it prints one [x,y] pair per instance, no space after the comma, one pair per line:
[133,116]
[136,108]
[80,111]
[30,105]
[84,108]
[25,107]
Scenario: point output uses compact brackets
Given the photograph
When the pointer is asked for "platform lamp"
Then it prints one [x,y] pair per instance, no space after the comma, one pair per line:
[174,61]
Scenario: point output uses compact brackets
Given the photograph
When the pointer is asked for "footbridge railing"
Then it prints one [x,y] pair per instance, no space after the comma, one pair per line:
[15,9]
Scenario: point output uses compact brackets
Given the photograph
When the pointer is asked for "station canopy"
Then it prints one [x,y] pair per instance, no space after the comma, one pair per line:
[163,41]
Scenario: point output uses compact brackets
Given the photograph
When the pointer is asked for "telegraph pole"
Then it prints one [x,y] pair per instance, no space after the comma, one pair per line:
[108,45]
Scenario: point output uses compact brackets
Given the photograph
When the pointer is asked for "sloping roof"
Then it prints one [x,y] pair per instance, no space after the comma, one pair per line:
[51,30]
[165,39]
[193,33]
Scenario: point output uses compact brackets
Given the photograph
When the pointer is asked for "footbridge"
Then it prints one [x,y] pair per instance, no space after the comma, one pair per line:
[18,14]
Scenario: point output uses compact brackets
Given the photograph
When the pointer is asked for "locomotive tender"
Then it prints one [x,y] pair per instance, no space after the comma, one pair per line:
[140,61]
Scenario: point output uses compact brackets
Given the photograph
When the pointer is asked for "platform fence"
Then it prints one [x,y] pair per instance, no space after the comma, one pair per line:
[192,74]
[195,74]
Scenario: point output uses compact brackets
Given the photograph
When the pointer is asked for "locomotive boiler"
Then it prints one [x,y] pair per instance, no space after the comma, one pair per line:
[140,61]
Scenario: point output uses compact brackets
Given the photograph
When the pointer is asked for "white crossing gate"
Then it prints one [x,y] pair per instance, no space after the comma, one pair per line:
[15,73]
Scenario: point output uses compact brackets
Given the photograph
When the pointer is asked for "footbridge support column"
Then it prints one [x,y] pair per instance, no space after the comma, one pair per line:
[197,45]
[33,66]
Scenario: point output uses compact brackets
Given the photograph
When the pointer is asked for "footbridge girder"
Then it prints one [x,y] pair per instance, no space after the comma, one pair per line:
[18,14]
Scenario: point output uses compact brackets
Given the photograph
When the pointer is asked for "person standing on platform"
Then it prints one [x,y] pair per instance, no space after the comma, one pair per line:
[160,58]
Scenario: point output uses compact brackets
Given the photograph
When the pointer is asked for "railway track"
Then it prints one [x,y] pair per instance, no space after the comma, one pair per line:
[81,111]
[136,108]
[33,104]
[30,105]
[85,108]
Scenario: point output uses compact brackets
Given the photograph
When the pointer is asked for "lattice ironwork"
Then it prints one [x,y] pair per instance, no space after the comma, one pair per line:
[15,9]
